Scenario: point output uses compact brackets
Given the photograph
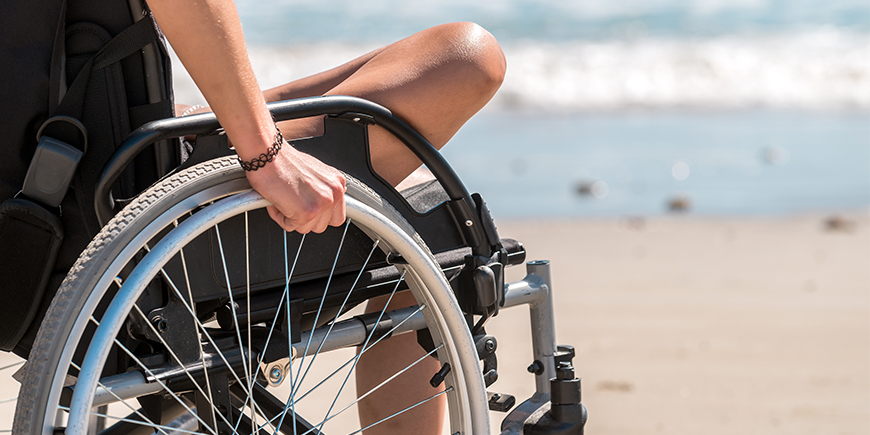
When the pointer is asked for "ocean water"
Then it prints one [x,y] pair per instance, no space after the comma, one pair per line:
[617,108]
[748,162]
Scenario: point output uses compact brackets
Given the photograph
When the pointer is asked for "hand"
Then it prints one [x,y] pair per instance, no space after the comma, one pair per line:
[306,194]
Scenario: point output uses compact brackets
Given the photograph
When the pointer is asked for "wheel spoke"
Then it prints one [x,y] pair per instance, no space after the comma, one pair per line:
[183,366]
[12,365]
[356,359]
[201,326]
[363,350]
[131,421]
[402,411]
[136,411]
[292,404]
[198,341]
[245,366]
[343,304]
[290,323]
[366,346]
[377,387]
[320,307]
[156,379]
[298,383]
[248,301]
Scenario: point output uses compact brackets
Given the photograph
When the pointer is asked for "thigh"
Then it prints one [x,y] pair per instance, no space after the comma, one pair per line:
[435,80]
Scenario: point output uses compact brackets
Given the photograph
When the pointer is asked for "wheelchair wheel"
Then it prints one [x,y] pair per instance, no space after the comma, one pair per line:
[168,322]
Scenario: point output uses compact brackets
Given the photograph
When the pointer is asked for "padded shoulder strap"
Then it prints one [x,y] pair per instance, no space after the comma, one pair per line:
[128,42]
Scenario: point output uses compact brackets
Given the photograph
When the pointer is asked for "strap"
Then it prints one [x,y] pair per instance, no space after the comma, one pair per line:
[129,41]
[149,112]
[57,84]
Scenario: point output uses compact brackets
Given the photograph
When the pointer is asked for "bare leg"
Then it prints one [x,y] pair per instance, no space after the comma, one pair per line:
[384,360]
[435,81]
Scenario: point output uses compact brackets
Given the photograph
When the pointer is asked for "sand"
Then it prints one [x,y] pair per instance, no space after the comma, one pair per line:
[707,326]
[688,325]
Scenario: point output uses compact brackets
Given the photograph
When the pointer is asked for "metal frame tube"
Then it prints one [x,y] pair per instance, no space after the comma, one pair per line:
[536,290]
[347,333]
[352,332]
[533,290]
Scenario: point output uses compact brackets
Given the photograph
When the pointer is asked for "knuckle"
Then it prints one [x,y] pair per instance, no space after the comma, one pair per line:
[308,215]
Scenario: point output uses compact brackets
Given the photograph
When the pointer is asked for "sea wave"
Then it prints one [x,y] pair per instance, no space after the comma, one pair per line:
[271,21]
[821,69]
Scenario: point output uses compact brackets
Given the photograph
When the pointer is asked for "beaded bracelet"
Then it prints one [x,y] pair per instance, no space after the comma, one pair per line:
[261,160]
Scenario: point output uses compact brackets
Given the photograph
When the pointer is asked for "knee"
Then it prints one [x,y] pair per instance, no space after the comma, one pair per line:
[477,53]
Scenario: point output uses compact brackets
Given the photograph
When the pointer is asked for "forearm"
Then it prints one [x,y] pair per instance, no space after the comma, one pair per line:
[207,36]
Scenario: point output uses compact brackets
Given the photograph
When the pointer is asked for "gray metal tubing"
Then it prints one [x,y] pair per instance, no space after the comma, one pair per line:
[543,327]
[532,290]
[536,291]
[350,332]
[529,291]
[126,386]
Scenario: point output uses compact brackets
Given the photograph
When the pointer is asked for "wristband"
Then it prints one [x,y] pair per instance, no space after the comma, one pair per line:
[261,160]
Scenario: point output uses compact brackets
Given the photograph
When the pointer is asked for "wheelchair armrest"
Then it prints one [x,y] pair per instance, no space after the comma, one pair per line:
[463,208]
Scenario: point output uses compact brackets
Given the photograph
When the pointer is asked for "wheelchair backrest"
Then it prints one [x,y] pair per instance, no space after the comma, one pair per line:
[80,74]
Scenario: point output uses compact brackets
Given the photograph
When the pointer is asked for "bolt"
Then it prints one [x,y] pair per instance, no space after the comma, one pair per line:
[536,368]
[160,324]
[469,223]
[275,375]
[490,345]
[565,371]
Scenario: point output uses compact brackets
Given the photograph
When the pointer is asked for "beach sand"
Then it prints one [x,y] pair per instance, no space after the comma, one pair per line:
[689,325]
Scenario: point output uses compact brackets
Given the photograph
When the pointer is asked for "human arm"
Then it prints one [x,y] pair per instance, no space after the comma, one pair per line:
[306,194]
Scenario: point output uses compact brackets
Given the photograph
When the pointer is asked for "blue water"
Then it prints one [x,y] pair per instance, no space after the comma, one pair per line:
[288,21]
[744,107]
[528,165]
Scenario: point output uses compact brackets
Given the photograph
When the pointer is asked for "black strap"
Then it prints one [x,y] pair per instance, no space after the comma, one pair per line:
[149,112]
[56,83]
[128,42]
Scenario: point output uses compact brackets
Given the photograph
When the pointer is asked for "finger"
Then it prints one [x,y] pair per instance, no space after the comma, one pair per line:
[280,219]
[322,222]
[338,213]
[306,227]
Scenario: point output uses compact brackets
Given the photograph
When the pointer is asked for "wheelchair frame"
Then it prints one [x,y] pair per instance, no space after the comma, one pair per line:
[461,227]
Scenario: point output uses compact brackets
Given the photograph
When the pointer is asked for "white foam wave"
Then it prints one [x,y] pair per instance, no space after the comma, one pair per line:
[817,70]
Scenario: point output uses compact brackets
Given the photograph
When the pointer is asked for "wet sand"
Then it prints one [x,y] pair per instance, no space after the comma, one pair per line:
[687,325]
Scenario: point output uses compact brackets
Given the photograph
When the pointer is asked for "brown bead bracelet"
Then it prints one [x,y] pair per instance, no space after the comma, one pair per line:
[261,160]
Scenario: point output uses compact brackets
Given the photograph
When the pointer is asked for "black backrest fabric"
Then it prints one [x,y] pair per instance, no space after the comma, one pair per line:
[45,45]
[28,30]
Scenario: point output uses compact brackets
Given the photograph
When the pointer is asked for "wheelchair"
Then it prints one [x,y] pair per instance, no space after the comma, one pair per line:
[192,312]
